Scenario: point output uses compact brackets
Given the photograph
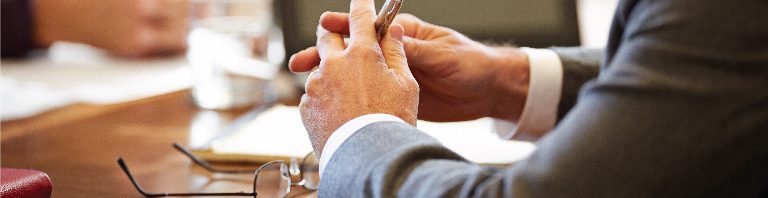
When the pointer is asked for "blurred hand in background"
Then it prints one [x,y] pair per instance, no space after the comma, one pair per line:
[130,28]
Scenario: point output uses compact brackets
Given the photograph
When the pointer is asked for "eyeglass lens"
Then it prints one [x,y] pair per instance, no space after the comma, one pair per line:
[273,180]
[310,171]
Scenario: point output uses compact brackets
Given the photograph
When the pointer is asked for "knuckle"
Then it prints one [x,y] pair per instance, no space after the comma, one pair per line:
[313,84]
[324,38]
[413,86]
[305,103]
[396,53]
[311,87]
[362,51]
[331,62]
[304,100]
[360,14]
[360,32]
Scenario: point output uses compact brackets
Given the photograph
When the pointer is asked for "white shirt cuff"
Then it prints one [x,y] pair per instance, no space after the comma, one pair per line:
[347,130]
[540,111]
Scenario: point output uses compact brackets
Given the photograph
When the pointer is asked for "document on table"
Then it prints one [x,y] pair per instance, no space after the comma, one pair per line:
[278,133]
[74,73]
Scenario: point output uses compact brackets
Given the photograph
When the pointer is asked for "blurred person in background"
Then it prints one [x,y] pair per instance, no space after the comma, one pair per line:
[128,28]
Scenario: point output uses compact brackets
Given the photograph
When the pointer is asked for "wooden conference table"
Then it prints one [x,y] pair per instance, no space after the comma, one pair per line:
[77,146]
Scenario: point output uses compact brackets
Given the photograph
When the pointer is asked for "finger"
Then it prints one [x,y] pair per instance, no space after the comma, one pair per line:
[394,53]
[361,22]
[304,61]
[416,49]
[311,86]
[426,55]
[416,28]
[328,43]
[339,23]
[410,23]
[335,22]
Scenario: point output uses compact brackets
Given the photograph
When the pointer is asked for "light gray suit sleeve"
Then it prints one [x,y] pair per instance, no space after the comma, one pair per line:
[680,109]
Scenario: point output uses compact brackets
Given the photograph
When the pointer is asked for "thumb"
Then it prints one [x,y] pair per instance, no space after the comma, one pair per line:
[394,51]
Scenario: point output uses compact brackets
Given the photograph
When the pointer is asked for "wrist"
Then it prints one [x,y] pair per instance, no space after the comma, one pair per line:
[510,83]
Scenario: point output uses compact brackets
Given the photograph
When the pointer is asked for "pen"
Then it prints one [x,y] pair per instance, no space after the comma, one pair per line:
[386,15]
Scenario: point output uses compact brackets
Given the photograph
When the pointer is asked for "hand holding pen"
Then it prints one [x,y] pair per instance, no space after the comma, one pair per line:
[308,59]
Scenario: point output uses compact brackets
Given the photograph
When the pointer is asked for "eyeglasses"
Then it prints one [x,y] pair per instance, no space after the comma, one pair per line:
[274,175]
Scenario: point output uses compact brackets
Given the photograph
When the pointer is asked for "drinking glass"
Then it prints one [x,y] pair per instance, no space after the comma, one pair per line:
[235,49]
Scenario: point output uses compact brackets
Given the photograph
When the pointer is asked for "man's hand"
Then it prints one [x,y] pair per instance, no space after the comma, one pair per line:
[132,28]
[460,79]
[367,76]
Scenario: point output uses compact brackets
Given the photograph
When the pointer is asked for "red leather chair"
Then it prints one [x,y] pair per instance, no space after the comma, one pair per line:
[24,183]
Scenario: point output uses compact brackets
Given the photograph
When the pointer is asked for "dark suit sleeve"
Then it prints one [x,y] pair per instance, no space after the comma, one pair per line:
[680,110]
[17,34]
[580,65]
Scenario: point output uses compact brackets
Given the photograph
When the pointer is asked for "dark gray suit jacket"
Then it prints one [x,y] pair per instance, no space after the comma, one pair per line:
[679,109]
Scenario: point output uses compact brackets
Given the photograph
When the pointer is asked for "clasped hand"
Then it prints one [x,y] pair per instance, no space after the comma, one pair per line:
[367,76]
[458,79]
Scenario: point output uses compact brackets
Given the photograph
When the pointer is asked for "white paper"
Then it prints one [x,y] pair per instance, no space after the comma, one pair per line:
[475,141]
[75,73]
[276,132]
[23,99]
[280,132]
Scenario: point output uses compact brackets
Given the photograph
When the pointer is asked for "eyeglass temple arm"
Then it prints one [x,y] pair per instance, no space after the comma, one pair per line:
[123,166]
[205,164]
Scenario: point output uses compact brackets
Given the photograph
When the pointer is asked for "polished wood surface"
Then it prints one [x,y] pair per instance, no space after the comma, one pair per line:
[77,146]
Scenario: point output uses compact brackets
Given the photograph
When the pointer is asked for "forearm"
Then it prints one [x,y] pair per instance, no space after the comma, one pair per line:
[377,159]
[586,157]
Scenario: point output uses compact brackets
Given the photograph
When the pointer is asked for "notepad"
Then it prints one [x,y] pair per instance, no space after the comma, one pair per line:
[278,134]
